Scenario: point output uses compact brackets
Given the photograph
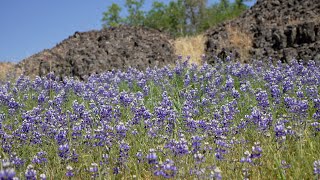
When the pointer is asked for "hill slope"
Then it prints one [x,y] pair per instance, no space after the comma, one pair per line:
[87,53]
[281,29]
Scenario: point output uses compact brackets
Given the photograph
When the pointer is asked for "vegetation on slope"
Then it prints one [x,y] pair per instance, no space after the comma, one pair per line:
[230,121]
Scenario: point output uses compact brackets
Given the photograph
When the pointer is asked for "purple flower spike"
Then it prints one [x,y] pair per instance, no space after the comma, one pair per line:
[30,173]
[94,170]
[69,172]
[7,173]
[316,167]
[256,151]
[64,151]
[152,157]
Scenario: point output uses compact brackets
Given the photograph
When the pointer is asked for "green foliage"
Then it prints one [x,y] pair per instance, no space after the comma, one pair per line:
[111,18]
[170,18]
[178,17]
[221,12]
[136,15]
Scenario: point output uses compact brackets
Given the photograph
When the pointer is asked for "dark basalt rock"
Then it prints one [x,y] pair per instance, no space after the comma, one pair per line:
[86,53]
[280,29]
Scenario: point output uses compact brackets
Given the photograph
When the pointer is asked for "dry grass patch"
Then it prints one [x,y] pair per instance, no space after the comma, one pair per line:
[6,68]
[192,46]
[239,40]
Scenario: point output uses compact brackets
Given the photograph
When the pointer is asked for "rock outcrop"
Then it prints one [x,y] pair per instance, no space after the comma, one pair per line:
[86,53]
[280,29]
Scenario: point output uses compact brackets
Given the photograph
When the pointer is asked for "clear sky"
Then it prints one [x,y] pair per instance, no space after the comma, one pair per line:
[29,26]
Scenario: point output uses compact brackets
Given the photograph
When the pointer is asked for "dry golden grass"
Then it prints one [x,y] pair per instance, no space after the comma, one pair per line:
[240,41]
[5,69]
[192,46]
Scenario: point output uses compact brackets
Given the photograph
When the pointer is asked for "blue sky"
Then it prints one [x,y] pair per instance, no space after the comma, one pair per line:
[29,26]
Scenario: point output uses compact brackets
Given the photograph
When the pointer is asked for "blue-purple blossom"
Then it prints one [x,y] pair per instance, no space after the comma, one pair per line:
[94,170]
[152,157]
[256,151]
[7,173]
[69,172]
[316,167]
[64,151]
[31,173]
[166,169]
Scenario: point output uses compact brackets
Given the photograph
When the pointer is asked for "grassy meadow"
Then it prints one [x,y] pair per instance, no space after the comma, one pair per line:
[223,121]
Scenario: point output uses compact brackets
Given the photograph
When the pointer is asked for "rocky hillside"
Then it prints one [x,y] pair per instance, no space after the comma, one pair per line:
[87,53]
[280,29]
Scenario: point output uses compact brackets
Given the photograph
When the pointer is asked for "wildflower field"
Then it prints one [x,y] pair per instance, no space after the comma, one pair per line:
[221,121]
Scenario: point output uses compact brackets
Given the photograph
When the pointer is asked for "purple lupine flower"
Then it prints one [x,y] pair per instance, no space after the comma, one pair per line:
[31,173]
[166,169]
[216,174]
[247,158]
[316,125]
[42,97]
[121,130]
[16,161]
[43,177]
[186,80]
[316,168]
[229,83]
[12,104]
[124,152]
[287,85]
[262,98]
[312,92]
[74,156]
[199,158]
[181,147]
[235,93]
[218,155]
[61,137]
[152,157]
[94,170]
[69,172]
[315,101]
[300,94]
[256,151]
[196,143]
[139,156]
[275,91]
[7,172]
[169,169]
[105,159]
[116,170]
[146,90]
[64,151]
[39,158]
[280,131]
